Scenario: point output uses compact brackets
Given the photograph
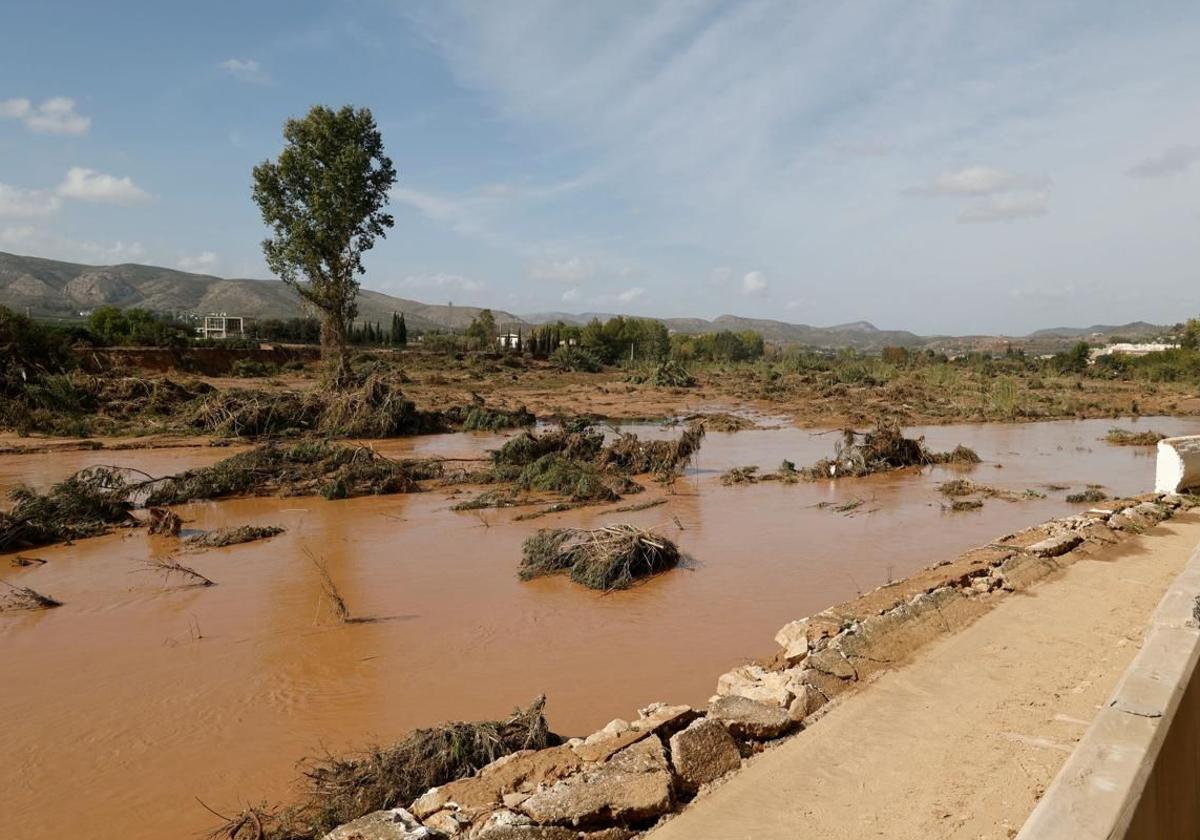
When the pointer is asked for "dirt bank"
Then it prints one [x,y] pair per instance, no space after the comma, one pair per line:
[961,742]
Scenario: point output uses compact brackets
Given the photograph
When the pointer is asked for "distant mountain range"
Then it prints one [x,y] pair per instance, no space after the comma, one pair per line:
[61,289]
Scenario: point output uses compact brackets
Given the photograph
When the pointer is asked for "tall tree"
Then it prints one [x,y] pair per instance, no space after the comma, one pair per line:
[324,201]
[402,331]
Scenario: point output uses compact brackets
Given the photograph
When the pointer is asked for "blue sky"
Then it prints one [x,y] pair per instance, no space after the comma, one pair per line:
[943,166]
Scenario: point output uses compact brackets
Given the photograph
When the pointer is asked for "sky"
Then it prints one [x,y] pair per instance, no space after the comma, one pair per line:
[945,167]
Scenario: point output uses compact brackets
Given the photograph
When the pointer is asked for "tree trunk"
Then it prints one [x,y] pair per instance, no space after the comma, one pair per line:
[333,350]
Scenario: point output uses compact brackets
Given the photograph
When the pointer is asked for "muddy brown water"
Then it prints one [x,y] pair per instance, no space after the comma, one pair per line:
[138,696]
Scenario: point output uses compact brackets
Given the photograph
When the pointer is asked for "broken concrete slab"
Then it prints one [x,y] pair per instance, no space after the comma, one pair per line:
[703,752]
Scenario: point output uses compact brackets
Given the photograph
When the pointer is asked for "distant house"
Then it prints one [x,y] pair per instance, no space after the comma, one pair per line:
[222,326]
[509,340]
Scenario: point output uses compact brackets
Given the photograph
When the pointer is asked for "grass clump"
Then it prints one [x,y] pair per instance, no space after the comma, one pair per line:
[882,449]
[479,418]
[1124,437]
[580,481]
[576,441]
[87,504]
[1090,495]
[668,374]
[614,557]
[335,471]
[343,789]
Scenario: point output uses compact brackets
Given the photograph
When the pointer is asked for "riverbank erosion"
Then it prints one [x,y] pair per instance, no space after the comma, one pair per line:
[677,766]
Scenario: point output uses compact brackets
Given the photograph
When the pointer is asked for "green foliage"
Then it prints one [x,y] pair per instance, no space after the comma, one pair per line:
[723,346]
[136,327]
[621,338]
[324,201]
[481,333]
[579,359]
[1190,340]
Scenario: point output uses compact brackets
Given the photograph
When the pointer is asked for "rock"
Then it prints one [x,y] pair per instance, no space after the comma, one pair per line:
[1151,511]
[831,661]
[611,730]
[703,752]
[663,720]
[519,772]
[447,823]
[756,683]
[633,787]
[529,832]
[793,638]
[656,719]
[746,718]
[1121,522]
[1055,545]
[806,701]
[610,834]
[396,824]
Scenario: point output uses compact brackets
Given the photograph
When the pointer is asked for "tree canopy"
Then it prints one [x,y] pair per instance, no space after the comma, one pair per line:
[324,201]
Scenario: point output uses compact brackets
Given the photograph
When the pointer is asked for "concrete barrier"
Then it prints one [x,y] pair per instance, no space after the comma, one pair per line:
[1136,773]
[1178,466]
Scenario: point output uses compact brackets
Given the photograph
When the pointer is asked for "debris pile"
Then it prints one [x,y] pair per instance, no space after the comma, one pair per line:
[882,449]
[232,536]
[613,557]
[333,470]
[1124,437]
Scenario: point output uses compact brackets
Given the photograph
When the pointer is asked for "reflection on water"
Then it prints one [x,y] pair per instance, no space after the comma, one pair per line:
[138,695]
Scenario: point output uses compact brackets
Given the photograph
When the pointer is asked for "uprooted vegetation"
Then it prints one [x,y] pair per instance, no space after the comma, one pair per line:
[614,557]
[882,449]
[21,598]
[87,504]
[343,789]
[75,403]
[1092,494]
[222,537]
[573,461]
[1124,437]
[332,470]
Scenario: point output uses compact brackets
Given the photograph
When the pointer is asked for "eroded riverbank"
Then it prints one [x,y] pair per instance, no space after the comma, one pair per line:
[216,692]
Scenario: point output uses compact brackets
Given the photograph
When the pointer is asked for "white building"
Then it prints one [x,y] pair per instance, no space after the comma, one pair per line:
[222,326]
[1129,349]
[509,340]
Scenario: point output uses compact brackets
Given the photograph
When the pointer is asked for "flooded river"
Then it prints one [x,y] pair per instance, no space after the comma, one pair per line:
[138,696]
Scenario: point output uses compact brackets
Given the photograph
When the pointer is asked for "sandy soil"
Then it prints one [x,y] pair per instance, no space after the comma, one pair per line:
[963,741]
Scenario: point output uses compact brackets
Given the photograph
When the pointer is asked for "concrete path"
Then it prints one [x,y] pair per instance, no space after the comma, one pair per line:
[961,742]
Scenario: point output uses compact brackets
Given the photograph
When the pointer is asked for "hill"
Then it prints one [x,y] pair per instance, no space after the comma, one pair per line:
[53,288]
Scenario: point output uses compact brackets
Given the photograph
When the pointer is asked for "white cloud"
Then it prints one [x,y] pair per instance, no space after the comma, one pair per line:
[438,281]
[1173,161]
[245,70]
[630,295]
[976,180]
[38,242]
[89,185]
[1007,207]
[203,263]
[571,270]
[793,305]
[14,108]
[754,283]
[53,116]
[570,295]
[20,202]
